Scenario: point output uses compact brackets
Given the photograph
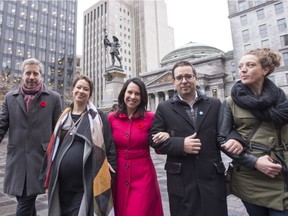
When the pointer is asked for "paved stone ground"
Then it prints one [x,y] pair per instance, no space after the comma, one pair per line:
[8,204]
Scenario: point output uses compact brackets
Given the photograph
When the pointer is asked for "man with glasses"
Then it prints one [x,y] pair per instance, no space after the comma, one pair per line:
[195,171]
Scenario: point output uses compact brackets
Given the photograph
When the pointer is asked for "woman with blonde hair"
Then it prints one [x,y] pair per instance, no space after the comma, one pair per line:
[256,115]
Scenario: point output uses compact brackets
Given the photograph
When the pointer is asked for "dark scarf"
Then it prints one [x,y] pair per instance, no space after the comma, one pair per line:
[270,106]
[31,94]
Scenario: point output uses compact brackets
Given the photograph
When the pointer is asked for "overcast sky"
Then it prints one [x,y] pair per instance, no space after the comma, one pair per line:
[201,21]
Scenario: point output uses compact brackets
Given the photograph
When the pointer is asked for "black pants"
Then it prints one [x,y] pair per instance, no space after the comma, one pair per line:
[256,210]
[26,205]
[70,203]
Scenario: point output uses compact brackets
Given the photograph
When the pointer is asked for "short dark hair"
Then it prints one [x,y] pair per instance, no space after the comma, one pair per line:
[181,64]
[143,93]
[87,79]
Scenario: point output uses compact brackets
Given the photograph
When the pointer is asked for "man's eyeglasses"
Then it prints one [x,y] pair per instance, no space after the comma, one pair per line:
[186,76]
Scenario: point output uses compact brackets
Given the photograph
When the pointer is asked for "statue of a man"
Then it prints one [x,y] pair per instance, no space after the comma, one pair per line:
[114,50]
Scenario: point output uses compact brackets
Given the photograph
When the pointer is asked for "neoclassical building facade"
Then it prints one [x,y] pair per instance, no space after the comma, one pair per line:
[215,73]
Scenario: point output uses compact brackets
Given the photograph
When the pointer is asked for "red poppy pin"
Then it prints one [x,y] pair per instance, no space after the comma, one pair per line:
[139,126]
[43,104]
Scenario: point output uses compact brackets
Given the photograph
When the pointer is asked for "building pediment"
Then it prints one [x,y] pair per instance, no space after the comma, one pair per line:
[165,78]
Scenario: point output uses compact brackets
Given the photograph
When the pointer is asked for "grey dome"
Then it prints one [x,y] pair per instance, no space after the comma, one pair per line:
[191,50]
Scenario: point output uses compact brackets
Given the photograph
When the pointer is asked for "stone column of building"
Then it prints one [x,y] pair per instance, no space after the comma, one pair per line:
[166,95]
[148,103]
[156,100]
[221,92]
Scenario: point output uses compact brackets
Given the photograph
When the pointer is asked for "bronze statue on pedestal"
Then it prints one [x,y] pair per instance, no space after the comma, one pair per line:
[114,50]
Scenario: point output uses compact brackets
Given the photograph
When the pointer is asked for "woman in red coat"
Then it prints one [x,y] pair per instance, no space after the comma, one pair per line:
[136,189]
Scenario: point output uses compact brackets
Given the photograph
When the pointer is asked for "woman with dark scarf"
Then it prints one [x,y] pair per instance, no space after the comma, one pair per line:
[256,115]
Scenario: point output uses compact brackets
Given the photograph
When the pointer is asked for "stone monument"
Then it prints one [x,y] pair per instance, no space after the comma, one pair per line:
[114,74]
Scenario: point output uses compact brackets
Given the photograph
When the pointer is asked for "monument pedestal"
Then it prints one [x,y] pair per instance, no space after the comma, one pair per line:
[114,76]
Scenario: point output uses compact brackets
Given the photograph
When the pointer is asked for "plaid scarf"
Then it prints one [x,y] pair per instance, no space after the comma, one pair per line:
[102,193]
[31,94]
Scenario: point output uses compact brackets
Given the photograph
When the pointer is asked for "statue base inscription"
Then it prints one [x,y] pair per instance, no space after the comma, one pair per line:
[114,76]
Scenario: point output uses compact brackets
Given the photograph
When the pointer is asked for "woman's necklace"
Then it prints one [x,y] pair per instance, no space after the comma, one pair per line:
[74,112]
[75,122]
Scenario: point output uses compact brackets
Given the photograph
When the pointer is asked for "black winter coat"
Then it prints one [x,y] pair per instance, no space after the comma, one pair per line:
[196,183]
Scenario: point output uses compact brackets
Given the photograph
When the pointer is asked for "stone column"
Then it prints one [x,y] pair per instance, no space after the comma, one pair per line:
[114,77]
[166,95]
[148,104]
[156,100]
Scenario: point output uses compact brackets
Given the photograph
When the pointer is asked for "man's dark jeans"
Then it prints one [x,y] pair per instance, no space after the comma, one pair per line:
[255,210]
[26,205]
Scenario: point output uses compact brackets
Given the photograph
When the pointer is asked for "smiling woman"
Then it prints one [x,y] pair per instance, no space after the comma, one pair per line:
[80,155]
[136,191]
[82,91]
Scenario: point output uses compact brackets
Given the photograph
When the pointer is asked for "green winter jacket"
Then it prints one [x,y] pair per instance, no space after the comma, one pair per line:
[252,185]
